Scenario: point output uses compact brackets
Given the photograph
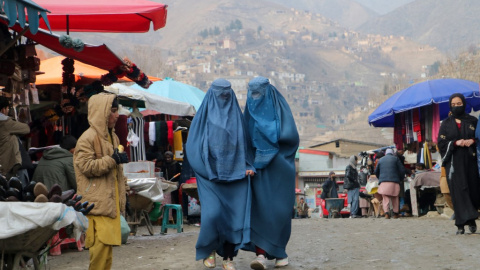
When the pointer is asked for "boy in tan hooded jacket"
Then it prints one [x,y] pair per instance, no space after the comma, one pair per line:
[100,179]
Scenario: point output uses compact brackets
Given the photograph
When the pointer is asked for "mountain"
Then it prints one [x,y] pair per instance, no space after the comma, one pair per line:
[347,13]
[383,7]
[451,26]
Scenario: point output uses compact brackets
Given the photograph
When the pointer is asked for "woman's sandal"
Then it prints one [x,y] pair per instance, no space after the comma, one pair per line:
[210,261]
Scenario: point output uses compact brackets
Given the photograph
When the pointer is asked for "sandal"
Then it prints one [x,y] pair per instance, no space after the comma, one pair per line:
[210,260]
[281,262]
[228,265]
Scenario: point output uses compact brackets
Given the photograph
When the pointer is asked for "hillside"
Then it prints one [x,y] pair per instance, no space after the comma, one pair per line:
[451,26]
[347,13]
[327,72]
[383,7]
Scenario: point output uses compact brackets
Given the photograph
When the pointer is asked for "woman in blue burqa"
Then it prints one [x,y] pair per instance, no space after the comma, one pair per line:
[218,154]
[275,141]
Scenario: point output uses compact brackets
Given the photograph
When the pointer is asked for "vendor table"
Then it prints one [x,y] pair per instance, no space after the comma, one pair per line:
[27,226]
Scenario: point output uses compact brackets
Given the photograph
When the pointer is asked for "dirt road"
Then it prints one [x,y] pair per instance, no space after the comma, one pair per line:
[365,243]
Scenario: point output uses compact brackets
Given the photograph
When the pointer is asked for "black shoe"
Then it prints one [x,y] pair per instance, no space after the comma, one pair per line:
[472,228]
[460,231]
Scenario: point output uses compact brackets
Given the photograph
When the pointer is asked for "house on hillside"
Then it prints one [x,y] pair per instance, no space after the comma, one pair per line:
[316,162]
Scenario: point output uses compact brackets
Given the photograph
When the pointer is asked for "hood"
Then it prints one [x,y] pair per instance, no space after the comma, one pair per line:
[55,153]
[99,109]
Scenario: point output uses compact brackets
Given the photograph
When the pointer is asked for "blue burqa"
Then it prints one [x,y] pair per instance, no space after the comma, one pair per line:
[275,141]
[217,149]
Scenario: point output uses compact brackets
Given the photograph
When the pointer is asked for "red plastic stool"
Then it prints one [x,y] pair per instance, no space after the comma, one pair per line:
[57,249]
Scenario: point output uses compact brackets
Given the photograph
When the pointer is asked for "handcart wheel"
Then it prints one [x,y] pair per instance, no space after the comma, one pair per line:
[148,222]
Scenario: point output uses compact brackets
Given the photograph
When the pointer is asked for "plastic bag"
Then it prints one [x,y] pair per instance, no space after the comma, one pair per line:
[125,229]
[132,138]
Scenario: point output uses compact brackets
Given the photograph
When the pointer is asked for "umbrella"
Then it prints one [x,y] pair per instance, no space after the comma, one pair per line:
[150,101]
[426,93]
[175,90]
[118,16]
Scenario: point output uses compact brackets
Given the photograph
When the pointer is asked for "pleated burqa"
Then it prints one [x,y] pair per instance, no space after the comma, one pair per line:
[217,152]
[275,141]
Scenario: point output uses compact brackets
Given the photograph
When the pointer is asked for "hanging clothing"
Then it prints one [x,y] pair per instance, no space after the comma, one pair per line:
[275,141]
[218,152]
[138,152]
[151,134]
[435,123]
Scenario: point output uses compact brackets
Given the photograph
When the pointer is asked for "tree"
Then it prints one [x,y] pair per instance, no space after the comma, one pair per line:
[204,33]
[216,31]
[238,24]
[317,114]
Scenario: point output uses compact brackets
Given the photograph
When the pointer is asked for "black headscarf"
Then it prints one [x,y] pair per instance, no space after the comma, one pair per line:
[462,97]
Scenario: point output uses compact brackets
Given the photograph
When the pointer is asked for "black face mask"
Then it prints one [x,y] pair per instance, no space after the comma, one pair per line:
[458,111]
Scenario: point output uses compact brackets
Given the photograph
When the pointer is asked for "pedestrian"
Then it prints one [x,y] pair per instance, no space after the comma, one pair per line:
[100,179]
[363,176]
[219,155]
[390,173]
[302,209]
[456,142]
[56,165]
[274,140]
[352,186]
[330,187]
[10,156]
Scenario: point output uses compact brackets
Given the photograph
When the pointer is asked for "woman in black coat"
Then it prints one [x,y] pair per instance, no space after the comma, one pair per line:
[456,142]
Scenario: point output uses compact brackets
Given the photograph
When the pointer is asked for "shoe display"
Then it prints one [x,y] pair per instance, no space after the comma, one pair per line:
[228,265]
[260,263]
[55,190]
[281,262]
[41,199]
[3,182]
[67,195]
[55,199]
[40,188]
[210,261]
[14,182]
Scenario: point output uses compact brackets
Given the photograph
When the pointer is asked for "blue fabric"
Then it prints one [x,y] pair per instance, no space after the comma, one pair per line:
[273,187]
[217,152]
[426,93]
[353,195]
[217,146]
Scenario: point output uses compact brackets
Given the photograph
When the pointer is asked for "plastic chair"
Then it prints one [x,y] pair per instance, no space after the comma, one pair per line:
[166,214]
[57,249]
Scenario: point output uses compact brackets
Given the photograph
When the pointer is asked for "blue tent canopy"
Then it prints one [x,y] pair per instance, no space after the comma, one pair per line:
[175,90]
[426,93]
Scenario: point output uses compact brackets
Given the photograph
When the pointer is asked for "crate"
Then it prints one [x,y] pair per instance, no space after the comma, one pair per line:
[139,169]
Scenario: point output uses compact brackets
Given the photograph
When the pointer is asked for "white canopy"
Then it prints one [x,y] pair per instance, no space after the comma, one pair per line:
[152,101]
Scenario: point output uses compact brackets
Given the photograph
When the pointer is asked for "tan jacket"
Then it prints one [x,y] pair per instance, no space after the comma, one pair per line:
[9,147]
[95,169]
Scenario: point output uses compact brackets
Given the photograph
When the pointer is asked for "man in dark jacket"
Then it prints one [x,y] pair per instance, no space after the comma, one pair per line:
[352,186]
[390,173]
[330,187]
[56,166]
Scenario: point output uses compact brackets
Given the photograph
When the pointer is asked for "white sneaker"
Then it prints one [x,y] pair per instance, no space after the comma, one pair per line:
[260,263]
[281,262]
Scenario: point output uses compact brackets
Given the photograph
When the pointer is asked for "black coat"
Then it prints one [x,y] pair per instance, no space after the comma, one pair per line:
[461,167]
[351,178]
